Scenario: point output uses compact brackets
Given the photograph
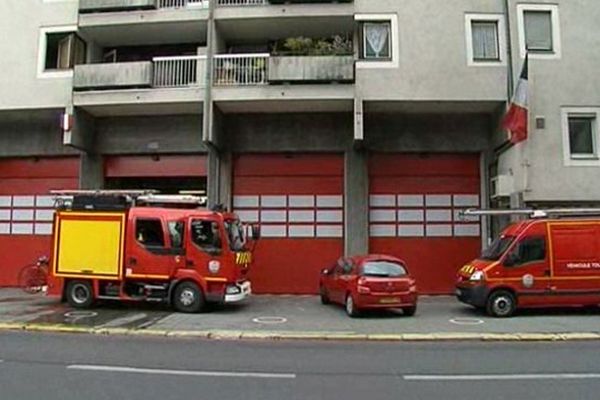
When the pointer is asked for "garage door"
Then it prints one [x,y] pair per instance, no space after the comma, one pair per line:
[298,202]
[413,214]
[26,209]
[168,174]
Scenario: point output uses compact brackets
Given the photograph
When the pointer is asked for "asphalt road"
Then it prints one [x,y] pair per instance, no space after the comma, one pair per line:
[44,366]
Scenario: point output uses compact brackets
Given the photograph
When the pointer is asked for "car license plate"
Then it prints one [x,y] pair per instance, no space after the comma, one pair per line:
[389,300]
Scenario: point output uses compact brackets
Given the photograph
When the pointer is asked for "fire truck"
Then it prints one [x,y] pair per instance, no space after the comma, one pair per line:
[142,246]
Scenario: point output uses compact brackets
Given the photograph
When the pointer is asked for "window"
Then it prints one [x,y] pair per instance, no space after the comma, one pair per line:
[378,35]
[486,39]
[149,232]
[376,40]
[235,233]
[205,234]
[539,30]
[383,269]
[528,250]
[581,136]
[60,49]
[176,229]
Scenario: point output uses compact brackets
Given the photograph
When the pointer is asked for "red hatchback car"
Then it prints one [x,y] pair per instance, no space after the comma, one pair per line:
[368,282]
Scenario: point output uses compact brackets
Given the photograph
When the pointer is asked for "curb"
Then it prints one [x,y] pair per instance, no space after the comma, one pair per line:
[290,335]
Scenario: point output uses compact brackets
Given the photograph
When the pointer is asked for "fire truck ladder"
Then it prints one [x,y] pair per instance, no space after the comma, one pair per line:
[533,212]
[147,197]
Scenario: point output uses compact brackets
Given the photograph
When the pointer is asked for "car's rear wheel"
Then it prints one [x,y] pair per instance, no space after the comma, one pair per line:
[501,304]
[324,295]
[350,307]
[409,311]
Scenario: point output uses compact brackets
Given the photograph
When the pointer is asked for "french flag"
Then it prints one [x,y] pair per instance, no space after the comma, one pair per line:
[516,119]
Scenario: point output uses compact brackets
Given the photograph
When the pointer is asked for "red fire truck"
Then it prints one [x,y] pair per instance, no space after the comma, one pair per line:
[550,260]
[140,246]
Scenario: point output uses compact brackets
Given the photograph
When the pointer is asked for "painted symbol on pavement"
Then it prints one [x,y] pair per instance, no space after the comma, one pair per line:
[269,320]
[467,321]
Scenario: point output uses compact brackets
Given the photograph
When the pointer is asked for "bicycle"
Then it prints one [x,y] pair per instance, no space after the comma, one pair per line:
[33,278]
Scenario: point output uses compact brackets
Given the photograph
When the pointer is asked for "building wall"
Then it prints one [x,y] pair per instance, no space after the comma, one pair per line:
[432,58]
[20,23]
[569,81]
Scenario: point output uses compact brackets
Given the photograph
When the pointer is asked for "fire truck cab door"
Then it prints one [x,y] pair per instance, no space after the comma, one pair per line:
[152,252]
[205,242]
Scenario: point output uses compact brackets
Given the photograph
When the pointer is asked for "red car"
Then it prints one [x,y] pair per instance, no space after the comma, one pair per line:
[368,282]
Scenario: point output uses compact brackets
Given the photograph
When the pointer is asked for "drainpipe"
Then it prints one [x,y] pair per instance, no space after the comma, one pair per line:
[509,55]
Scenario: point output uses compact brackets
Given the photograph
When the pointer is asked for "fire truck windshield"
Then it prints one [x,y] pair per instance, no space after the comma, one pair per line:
[235,235]
[497,248]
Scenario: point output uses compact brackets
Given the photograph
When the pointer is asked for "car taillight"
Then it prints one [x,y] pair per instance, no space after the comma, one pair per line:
[363,289]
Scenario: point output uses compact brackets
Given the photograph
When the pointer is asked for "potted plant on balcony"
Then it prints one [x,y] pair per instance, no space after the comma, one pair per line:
[302,59]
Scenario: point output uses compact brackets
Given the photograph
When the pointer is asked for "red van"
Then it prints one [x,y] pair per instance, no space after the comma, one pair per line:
[536,263]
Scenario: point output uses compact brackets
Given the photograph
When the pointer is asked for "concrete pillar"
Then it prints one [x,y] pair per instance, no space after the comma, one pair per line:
[226,180]
[356,200]
[91,171]
[213,176]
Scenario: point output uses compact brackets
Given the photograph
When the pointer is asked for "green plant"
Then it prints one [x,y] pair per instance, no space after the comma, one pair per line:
[303,46]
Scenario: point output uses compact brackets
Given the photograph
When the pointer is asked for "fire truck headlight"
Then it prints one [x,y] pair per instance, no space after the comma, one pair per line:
[477,276]
[214,266]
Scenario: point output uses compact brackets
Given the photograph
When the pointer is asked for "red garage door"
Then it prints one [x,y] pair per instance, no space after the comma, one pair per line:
[298,201]
[26,210]
[413,212]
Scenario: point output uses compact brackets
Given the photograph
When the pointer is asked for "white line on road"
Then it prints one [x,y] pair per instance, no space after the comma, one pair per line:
[109,368]
[501,377]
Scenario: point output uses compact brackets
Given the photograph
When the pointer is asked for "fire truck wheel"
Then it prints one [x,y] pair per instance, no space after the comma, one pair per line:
[188,298]
[501,304]
[80,294]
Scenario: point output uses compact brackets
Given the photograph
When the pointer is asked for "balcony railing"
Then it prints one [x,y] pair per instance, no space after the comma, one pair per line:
[226,3]
[178,71]
[182,3]
[241,69]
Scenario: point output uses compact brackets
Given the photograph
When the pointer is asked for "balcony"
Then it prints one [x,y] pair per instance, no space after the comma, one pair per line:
[261,82]
[238,3]
[175,82]
[142,22]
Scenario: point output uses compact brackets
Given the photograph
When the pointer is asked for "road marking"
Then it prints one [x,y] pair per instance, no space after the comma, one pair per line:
[127,319]
[501,377]
[153,371]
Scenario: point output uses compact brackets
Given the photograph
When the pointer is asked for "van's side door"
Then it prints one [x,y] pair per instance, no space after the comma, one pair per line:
[526,265]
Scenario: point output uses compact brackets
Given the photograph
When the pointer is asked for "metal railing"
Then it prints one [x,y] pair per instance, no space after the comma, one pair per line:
[181,3]
[240,69]
[178,71]
[226,3]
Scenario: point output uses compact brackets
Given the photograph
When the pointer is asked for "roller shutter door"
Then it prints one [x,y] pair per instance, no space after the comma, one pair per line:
[26,209]
[414,203]
[298,202]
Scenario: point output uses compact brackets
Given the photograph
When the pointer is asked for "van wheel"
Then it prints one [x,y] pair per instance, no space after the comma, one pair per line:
[350,307]
[79,294]
[409,311]
[324,295]
[501,304]
[188,298]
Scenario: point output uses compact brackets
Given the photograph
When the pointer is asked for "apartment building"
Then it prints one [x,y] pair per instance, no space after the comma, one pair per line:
[339,126]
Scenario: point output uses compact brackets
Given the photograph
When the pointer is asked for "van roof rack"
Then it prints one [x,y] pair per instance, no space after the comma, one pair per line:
[533,212]
[171,199]
[102,199]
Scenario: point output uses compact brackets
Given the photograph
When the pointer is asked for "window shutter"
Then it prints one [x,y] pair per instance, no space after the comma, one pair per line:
[538,30]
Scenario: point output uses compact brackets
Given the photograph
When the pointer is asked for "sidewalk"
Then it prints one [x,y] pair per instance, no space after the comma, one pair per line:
[297,317]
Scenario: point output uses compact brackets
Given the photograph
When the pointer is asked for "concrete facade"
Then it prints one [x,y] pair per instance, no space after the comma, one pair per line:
[428,98]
